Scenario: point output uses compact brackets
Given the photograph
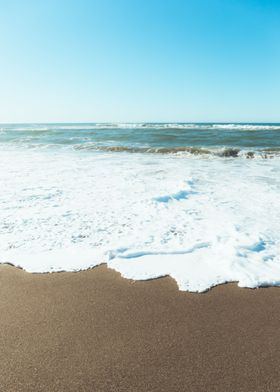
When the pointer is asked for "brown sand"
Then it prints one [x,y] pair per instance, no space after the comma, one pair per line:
[94,331]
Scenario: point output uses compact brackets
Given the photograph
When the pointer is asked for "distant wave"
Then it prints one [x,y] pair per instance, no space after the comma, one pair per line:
[204,126]
[248,127]
[92,126]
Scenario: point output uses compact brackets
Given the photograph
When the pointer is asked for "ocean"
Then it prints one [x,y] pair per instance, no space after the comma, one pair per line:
[197,202]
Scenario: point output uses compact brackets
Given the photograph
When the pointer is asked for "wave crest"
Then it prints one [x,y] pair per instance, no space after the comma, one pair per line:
[227,152]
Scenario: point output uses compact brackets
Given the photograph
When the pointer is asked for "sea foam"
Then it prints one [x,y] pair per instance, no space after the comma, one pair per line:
[202,222]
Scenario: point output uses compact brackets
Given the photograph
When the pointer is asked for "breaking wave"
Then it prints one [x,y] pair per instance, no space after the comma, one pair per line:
[214,152]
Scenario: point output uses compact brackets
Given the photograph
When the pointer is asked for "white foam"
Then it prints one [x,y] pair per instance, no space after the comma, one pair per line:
[203,222]
[139,125]
[248,127]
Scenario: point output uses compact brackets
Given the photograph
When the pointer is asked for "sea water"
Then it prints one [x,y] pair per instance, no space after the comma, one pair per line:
[197,202]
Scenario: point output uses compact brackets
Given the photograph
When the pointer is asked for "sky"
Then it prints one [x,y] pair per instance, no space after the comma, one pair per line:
[139,60]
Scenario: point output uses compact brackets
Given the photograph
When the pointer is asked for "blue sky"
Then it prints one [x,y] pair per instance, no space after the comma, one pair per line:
[139,60]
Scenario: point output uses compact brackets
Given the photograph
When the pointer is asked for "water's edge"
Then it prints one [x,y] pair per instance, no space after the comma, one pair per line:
[135,280]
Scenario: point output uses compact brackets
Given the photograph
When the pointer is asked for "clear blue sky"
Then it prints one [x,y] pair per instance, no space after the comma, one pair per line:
[139,60]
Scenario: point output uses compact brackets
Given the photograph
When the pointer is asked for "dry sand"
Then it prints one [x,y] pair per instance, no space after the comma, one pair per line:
[94,331]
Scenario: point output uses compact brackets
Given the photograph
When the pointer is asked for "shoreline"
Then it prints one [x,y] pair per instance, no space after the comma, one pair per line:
[167,276]
[98,331]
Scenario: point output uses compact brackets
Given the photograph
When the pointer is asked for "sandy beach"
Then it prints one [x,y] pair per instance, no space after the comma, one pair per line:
[95,331]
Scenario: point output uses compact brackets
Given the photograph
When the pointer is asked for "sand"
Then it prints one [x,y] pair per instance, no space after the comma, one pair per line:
[95,331]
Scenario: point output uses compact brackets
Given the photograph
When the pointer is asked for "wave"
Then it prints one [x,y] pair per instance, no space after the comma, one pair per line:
[204,126]
[248,127]
[229,152]
[145,150]
[192,151]
[115,125]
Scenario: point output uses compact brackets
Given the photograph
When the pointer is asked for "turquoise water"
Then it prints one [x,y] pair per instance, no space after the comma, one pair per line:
[204,138]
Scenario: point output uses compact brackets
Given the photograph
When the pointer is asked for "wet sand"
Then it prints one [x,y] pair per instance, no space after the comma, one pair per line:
[95,331]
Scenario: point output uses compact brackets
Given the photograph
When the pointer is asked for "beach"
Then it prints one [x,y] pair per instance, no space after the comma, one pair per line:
[140,196]
[95,331]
